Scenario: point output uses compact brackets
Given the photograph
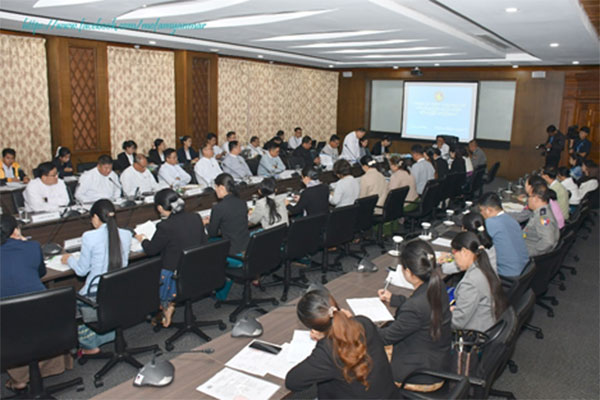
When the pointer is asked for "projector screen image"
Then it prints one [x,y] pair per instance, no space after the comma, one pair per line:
[439,108]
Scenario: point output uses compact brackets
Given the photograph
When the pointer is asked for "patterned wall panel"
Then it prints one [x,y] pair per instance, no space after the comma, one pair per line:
[199,100]
[82,77]
[259,99]
[141,86]
[24,108]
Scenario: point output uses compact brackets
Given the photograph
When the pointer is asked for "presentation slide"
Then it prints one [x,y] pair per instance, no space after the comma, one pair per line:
[439,108]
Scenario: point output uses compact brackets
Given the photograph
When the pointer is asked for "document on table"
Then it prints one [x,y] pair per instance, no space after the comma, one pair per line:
[56,264]
[282,363]
[443,242]
[253,361]
[370,307]
[511,207]
[147,229]
[229,384]
[397,278]
[301,346]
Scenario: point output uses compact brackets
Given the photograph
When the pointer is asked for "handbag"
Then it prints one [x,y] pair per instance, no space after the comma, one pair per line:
[89,313]
[466,345]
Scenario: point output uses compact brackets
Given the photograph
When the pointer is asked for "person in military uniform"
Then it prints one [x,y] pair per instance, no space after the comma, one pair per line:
[541,233]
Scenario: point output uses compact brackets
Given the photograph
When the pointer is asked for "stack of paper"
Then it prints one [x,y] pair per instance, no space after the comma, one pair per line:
[147,229]
[512,207]
[301,346]
[397,278]
[442,242]
[228,384]
[370,307]
[282,363]
[56,264]
[253,361]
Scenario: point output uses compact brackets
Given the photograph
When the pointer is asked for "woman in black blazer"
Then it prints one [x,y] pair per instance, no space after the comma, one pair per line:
[186,154]
[156,155]
[177,231]
[127,157]
[349,361]
[314,199]
[458,162]
[421,332]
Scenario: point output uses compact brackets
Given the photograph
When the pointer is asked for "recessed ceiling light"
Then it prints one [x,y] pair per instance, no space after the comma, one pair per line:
[170,9]
[575,62]
[554,44]
[515,66]
[260,56]
[409,55]
[511,9]
[214,50]
[57,3]
[136,46]
[388,50]
[356,44]
[259,19]
[330,66]
[436,64]
[395,67]
[152,42]
[321,36]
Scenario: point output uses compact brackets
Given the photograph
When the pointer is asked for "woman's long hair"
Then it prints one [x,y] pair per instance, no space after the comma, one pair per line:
[318,310]
[105,210]
[267,188]
[169,200]
[469,241]
[419,258]
[224,179]
[474,222]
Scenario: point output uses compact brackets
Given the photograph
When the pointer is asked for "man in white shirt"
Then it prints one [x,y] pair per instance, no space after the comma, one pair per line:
[218,153]
[99,183]
[270,163]
[46,193]
[231,136]
[138,178]
[171,173]
[234,164]
[440,143]
[331,148]
[351,148]
[422,170]
[254,149]
[207,168]
[295,140]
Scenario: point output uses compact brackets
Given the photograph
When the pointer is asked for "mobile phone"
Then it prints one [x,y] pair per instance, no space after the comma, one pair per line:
[391,268]
[267,347]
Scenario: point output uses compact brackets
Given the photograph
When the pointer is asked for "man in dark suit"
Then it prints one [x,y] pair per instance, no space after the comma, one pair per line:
[304,152]
[554,145]
[382,147]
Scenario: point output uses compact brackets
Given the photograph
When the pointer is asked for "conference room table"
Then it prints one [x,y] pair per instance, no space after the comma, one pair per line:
[193,369]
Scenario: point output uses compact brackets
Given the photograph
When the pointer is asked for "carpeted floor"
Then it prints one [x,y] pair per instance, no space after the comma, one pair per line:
[564,365]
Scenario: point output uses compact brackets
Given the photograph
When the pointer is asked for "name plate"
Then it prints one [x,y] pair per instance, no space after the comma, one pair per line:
[149,200]
[72,243]
[194,192]
[44,217]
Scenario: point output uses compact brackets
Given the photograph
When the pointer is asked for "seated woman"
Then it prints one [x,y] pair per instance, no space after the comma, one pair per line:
[421,332]
[103,249]
[156,156]
[575,165]
[349,361]
[186,154]
[126,157]
[474,222]
[401,177]
[347,187]
[22,267]
[479,296]
[372,182]
[314,199]
[458,162]
[177,231]
[270,210]
[62,162]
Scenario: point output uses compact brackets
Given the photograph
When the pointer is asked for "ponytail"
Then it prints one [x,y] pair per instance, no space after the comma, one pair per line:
[267,188]
[169,200]
[227,181]
[434,290]
[105,210]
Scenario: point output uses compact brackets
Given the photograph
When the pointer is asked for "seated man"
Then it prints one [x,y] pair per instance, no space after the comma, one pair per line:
[478,157]
[270,164]
[422,170]
[11,170]
[382,147]
[254,149]
[234,164]
[541,233]
[440,143]
[296,140]
[305,153]
[211,138]
[207,168]
[231,136]
[99,183]
[331,148]
[46,193]
[137,178]
[549,174]
[171,172]
[511,251]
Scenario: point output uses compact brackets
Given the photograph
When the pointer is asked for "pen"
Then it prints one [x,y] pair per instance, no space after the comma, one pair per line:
[387,283]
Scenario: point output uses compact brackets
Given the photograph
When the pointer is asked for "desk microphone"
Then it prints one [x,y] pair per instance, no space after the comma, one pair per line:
[161,373]
[69,212]
[131,203]
[116,184]
[50,248]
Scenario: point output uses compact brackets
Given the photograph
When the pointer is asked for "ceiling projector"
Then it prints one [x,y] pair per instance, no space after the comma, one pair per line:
[416,72]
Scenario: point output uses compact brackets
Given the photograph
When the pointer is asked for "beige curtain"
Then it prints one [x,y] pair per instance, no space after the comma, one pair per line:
[259,99]
[24,108]
[141,93]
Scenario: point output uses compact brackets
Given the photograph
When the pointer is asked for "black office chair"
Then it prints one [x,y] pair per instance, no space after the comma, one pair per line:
[393,210]
[84,166]
[201,271]
[253,164]
[458,183]
[18,200]
[575,221]
[364,222]
[568,240]
[491,174]
[524,311]
[294,162]
[546,264]
[474,185]
[303,240]
[262,256]
[455,386]
[429,200]
[35,327]
[125,298]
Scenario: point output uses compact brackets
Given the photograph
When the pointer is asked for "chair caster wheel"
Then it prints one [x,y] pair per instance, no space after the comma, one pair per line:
[222,326]
[514,368]
[217,305]
[539,335]
[82,360]
[156,328]
[169,346]
[275,302]
[232,318]
[283,298]
[551,314]
[98,383]
[554,302]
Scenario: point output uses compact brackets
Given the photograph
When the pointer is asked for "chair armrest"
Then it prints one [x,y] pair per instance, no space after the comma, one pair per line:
[85,300]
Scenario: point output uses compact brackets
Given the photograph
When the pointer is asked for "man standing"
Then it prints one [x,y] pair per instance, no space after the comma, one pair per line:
[99,183]
[11,170]
[478,157]
[541,233]
[351,147]
[422,170]
[440,143]
[583,146]
[554,146]
[234,164]
[137,178]
[296,140]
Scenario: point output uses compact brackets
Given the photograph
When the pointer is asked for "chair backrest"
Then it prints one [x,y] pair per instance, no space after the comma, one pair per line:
[429,198]
[524,308]
[340,225]
[253,164]
[519,285]
[393,207]
[84,166]
[126,296]
[202,269]
[37,326]
[478,176]
[366,207]
[294,162]
[18,200]
[304,236]
[264,251]
[545,267]
[568,240]
[492,172]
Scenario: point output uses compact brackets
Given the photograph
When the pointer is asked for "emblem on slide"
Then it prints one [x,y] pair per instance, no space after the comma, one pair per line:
[439,96]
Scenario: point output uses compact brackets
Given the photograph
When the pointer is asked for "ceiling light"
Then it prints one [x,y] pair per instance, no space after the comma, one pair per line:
[152,42]
[57,3]
[575,63]
[436,64]
[389,50]
[554,44]
[170,9]
[321,36]
[515,66]
[356,44]
[511,9]
[260,19]
[260,56]
[395,67]
[330,65]
[214,50]
[409,55]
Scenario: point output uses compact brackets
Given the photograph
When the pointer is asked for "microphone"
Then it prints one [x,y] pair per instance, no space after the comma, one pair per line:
[131,202]
[115,183]
[50,248]
[69,212]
